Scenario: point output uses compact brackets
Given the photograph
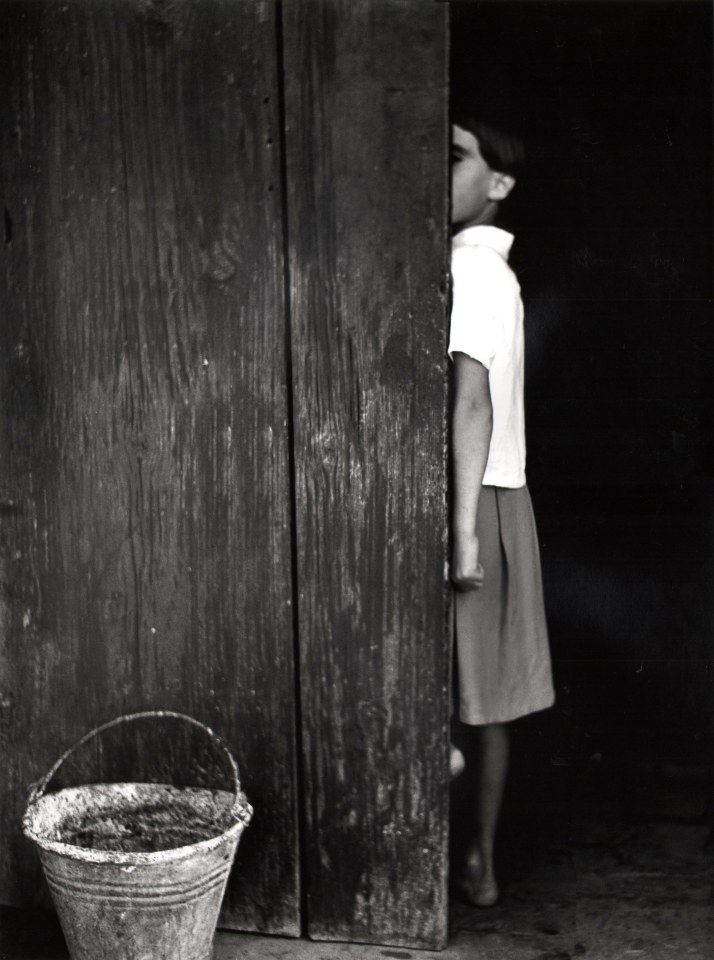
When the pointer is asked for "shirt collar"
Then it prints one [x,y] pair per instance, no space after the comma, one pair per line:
[485,235]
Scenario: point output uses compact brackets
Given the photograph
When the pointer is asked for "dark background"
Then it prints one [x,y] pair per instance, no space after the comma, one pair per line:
[614,255]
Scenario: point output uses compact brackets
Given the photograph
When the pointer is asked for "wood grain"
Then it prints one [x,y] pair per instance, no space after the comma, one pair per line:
[365,149]
[146,558]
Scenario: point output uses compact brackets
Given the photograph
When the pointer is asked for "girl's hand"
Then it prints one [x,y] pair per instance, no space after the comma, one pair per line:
[466,571]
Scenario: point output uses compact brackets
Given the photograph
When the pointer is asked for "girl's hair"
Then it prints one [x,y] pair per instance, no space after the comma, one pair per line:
[503,150]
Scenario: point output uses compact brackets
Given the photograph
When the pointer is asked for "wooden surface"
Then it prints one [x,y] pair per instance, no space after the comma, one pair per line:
[144,484]
[365,148]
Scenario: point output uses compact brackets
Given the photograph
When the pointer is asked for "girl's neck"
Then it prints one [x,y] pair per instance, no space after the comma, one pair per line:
[486,218]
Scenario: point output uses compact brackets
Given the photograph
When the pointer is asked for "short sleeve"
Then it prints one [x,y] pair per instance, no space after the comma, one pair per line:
[477,304]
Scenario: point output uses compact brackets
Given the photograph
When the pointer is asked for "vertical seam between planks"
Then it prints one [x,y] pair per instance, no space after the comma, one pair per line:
[292,469]
[445,449]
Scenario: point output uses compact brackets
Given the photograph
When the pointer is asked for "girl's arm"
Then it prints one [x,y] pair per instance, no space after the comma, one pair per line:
[471,427]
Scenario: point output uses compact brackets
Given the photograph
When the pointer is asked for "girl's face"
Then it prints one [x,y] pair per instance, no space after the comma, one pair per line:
[475,187]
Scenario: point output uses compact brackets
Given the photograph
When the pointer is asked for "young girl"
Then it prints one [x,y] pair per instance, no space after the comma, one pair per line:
[502,660]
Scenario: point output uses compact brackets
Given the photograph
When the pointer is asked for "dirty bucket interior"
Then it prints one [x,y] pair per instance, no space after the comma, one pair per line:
[131,817]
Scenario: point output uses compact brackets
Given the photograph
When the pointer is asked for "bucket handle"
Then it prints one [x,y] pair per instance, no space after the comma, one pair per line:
[238,810]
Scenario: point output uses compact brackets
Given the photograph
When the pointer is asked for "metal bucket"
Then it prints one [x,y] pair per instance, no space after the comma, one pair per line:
[145,905]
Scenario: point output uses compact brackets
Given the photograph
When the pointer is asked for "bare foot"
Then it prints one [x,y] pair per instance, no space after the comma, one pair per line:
[456,761]
[478,884]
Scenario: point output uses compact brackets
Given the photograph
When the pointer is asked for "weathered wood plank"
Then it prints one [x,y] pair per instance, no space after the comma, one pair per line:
[144,473]
[366,149]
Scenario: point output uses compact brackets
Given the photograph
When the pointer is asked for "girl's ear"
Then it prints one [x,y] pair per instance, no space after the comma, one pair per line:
[501,186]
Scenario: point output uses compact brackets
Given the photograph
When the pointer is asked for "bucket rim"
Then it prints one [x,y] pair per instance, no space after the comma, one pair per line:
[133,858]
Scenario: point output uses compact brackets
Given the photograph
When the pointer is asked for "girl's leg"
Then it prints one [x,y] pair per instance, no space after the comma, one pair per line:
[490,777]
[457,761]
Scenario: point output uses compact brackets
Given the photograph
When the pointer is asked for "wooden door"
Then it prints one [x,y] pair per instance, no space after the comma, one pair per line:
[365,115]
[225,242]
[144,469]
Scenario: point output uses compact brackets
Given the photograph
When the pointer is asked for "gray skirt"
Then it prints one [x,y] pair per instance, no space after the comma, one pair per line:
[503,667]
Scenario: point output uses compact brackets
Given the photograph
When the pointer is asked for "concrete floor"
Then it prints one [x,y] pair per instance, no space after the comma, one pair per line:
[606,854]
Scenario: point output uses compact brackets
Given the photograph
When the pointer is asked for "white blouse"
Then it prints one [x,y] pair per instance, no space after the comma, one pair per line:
[487,325]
